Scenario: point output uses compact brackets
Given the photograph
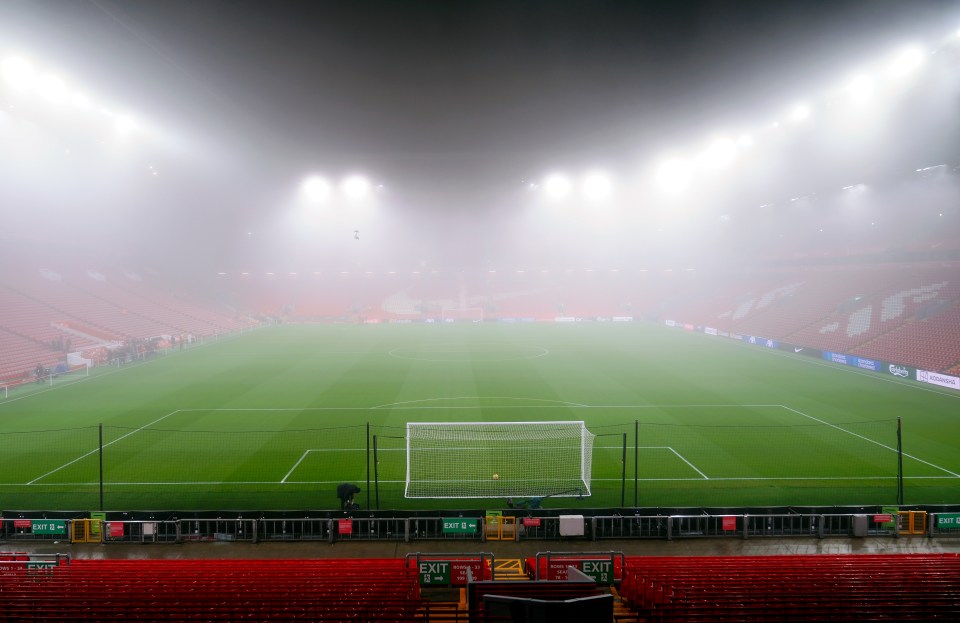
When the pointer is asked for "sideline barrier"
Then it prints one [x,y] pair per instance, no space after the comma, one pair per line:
[943,524]
[86,531]
[500,528]
[893,524]
[139,531]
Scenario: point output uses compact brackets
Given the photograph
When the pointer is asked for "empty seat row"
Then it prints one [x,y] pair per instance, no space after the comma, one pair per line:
[843,587]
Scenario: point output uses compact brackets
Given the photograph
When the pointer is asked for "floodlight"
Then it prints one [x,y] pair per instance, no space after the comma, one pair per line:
[745,140]
[557,185]
[125,124]
[52,89]
[906,61]
[800,112]
[316,189]
[356,187]
[597,186]
[720,153]
[674,176]
[80,100]
[860,87]
[18,73]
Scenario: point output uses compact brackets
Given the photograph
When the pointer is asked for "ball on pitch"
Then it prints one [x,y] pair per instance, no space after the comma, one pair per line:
[496,476]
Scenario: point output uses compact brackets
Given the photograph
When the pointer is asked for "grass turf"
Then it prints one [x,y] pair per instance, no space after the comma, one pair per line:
[275,418]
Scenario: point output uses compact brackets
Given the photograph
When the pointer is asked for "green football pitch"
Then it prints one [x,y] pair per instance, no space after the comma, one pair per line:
[274,419]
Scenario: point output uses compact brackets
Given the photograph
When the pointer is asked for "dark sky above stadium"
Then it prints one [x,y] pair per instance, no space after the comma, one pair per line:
[509,83]
[443,99]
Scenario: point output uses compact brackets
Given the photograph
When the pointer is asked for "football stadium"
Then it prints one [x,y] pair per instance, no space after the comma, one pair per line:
[532,311]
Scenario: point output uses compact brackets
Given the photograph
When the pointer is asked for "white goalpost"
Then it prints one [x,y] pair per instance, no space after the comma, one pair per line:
[461,314]
[498,459]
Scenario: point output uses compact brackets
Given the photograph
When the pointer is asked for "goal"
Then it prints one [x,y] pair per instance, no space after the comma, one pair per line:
[498,459]
[462,314]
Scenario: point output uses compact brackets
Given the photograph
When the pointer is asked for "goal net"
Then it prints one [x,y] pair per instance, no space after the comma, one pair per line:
[462,314]
[498,459]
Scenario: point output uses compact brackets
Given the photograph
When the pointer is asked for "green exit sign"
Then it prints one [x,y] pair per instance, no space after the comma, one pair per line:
[48,526]
[600,570]
[948,520]
[434,572]
[459,525]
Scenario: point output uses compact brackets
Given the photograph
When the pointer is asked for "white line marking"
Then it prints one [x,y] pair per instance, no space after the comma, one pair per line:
[572,404]
[305,453]
[95,450]
[382,481]
[405,402]
[705,477]
[393,353]
[840,428]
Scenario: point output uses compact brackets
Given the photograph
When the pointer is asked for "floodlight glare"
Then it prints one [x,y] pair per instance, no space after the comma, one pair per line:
[52,89]
[18,73]
[597,186]
[800,112]
[719,154]
[860,87]
[674,176]
[906,61]
[125,124]
[356,187]
[80,100]
[316,189]
[557,185]
[745,140]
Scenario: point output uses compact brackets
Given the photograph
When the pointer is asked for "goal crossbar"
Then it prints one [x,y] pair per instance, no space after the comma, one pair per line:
[498,459]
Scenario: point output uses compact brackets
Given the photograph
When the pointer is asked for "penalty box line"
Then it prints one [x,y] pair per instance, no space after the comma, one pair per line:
[867,439]
[309,450]
[96,450]
[670,448]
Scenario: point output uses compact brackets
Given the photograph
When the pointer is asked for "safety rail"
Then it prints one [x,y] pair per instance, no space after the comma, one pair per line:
[527,528]
[293,529]
[218,530]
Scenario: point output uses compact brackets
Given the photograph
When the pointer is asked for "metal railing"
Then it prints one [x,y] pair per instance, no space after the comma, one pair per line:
[140,532]
[529,528]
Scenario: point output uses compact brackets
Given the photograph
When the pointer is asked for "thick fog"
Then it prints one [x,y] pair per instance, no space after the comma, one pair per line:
[487,136]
